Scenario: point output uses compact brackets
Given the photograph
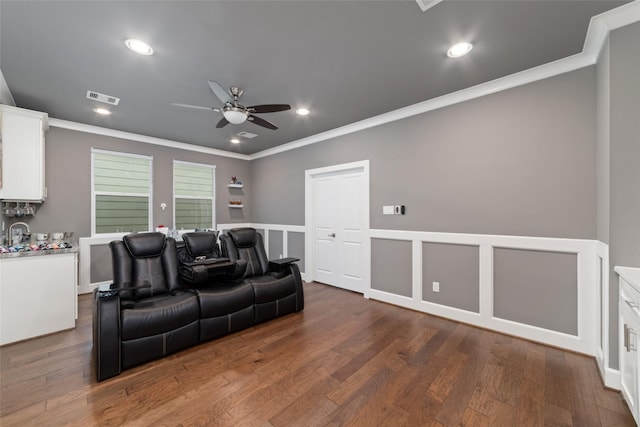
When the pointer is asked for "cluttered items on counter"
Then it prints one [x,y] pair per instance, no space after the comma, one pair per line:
[30,242]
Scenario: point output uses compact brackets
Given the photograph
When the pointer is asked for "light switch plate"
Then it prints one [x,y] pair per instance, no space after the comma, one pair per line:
[387,210]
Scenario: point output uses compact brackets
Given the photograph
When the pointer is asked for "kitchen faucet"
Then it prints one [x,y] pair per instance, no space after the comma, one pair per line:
[10,232]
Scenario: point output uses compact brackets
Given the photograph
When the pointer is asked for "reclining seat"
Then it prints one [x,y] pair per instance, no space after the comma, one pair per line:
[277,284]
[146,314]
[226,303]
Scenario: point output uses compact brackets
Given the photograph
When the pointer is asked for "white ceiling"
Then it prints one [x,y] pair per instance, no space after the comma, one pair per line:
[345,60]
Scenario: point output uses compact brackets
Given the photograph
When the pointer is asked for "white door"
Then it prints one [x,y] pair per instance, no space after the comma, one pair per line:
[339,226]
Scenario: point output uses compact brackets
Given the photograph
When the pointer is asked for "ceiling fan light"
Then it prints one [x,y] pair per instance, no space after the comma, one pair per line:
[235,115]
[302,111]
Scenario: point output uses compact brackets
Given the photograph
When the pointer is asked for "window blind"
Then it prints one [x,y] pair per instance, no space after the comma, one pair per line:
[122,192]
[194,191]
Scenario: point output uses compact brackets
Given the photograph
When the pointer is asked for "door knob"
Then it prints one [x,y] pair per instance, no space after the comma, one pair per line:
[332,235]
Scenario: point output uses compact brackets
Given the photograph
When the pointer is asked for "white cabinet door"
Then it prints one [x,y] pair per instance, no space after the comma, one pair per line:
[37,295]
[22,154]
[629,329]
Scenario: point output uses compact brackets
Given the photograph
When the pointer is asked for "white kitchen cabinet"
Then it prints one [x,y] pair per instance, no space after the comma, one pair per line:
[629,321]
[23,154]
[38,295]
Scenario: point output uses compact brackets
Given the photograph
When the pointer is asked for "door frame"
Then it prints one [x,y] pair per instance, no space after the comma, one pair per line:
[309,176]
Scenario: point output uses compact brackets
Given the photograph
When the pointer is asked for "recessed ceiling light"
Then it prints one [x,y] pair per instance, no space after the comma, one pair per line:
[459,49]
[302,112]
[235,141]
[102,111]
[139,47]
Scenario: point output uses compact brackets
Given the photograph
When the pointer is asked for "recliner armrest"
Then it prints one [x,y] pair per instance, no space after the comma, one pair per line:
[282,261]
[281,265]
[106,333]
[141,285]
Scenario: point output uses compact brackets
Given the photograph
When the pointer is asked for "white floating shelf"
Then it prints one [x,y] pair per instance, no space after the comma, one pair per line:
[235,185]
[236,206]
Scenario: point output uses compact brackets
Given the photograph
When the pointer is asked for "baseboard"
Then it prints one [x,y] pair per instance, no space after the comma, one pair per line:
[612,378]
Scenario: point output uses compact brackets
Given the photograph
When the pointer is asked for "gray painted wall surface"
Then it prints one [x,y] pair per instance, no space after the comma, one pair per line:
[68,179]
[624,167]
[391,266]
[295,247]
[457,269]
[536,288]
[275,244]
[518,162]
[101,268]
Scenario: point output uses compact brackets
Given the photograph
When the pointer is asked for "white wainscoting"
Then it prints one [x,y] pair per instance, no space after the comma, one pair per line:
[592,292]
[587,322]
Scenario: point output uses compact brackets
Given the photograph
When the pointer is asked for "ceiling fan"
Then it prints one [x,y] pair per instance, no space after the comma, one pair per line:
[236,113]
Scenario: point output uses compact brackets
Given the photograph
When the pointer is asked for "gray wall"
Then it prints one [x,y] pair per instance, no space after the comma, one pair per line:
[457,269]
[618,162]
[536,288]
[519,162]
[391,266]
[68,178]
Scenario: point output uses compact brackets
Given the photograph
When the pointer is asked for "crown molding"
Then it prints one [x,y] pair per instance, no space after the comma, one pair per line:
[597,34]
[97,130]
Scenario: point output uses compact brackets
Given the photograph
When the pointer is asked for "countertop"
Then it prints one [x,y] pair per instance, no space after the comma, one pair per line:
[44,252]
[630,274]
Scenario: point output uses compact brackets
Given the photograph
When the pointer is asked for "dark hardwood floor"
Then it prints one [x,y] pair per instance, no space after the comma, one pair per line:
[345,360]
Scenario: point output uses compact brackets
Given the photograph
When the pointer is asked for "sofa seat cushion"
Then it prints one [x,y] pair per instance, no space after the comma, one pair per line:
[224,299]
[271,287]
[159,314]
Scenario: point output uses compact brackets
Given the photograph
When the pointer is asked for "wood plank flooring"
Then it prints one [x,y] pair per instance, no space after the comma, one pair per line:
[345,360]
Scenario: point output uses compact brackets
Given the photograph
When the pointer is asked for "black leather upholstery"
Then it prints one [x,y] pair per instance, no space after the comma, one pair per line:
[278,291]
[246,244]
[200,262]
[202,243]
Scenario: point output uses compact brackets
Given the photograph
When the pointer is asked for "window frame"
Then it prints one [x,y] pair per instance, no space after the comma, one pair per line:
[95,151]
[213,197]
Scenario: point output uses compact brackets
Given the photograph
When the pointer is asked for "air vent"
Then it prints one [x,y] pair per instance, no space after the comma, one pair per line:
[426,4]
[247,135]
[100,97]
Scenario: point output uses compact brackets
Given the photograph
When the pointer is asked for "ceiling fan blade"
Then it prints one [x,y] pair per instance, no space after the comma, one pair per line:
[261,122]
[269,108]
[176,104]
[222,123]
[220,92]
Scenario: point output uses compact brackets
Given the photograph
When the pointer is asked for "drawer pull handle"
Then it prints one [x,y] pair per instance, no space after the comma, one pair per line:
[630,339]
[632,304]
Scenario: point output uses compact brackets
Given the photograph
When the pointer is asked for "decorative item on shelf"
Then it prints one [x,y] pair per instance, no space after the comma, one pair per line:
[234,180]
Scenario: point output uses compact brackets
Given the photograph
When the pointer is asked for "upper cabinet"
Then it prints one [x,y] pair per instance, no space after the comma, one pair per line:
[22,154]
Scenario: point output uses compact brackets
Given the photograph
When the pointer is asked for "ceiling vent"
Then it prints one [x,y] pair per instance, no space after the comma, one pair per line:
[247,135]
[426,4]
[100,97]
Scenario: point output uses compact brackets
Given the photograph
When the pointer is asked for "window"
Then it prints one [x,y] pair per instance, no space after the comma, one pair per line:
[121,192]
[193,195]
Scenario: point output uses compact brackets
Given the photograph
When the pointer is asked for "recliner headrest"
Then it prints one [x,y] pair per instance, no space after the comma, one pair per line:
[244,237]
[200,243]
[145,245]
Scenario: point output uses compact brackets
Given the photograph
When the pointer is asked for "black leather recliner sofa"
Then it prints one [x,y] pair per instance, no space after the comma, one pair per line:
[167,297]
